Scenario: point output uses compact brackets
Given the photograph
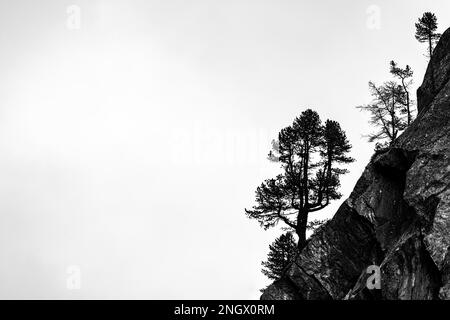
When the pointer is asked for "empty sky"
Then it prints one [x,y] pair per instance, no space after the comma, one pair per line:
[130,146]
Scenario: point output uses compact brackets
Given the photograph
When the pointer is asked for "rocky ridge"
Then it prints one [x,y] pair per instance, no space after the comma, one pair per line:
[397,217]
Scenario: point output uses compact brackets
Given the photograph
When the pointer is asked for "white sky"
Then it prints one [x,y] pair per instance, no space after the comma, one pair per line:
[131,146]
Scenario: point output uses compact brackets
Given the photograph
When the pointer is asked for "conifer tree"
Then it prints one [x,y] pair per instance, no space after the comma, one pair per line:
[281,252]
[309,154]
[426,31]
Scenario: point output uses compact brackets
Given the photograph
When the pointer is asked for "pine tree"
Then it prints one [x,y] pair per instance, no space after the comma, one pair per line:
[281,252]
[426,31]
[309,154]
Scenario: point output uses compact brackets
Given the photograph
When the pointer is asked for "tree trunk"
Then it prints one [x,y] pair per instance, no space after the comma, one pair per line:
[430,46]
[407,108]
[407,101]
[302,222]
[394,134]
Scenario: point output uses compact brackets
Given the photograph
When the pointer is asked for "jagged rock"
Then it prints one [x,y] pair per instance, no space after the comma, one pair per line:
[408,272]
[444,293]
[360,290]
[282,289]
[437,74]
[397,217]
[382,200]
[333,259]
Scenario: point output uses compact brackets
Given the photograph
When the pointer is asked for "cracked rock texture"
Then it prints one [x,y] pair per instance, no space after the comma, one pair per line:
[397,217]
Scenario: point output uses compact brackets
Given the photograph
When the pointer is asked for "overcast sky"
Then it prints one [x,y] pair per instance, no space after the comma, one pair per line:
[133,135]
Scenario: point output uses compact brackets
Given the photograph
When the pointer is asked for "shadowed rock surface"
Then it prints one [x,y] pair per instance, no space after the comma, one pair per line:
[397,217]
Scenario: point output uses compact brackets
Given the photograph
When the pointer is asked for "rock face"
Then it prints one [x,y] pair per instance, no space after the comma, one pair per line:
[397,217]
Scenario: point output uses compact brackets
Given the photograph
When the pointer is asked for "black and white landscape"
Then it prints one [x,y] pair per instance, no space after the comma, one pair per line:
[275,150]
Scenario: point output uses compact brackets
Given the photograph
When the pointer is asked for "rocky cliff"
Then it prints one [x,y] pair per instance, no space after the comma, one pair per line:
[397,217]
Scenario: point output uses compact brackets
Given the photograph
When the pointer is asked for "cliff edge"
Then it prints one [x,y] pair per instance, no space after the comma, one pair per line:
[397,217]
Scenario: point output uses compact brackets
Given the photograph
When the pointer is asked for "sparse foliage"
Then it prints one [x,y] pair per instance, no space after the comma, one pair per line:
[281,252]
[386,112]
[405,77]
[309,154]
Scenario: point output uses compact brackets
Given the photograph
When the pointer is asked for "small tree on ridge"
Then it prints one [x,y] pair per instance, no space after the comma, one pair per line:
[386,112]
[426,31]
[405,76]
[281,252]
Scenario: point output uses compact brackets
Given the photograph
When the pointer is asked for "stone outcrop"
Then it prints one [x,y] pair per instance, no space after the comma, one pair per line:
[397,217]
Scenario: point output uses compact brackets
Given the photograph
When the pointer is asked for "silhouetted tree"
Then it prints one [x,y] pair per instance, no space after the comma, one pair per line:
[386,112]
[426,31]
[405,76]
[281,252]
[309,154]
